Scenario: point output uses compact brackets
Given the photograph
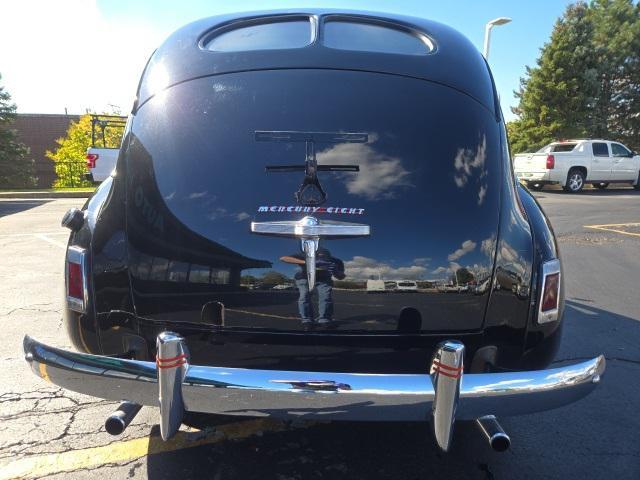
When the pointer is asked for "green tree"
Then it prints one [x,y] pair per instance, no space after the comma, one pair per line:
[462,276]
[248,280]
[274,278]
[616,46]
[17,170]
[586,82]
[70,156]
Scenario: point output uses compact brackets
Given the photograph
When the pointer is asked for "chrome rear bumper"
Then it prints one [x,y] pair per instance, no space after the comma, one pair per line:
[440,396]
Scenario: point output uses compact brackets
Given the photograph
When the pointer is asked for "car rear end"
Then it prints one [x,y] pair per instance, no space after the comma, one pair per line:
[236,179]
[542,167]
[534,167]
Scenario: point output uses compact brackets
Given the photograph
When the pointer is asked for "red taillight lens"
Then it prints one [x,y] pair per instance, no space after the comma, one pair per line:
[551,291]
[75,287]
[551,162]
[549,306]
[91,160]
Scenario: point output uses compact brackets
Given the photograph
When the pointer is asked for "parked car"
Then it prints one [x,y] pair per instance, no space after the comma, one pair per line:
[407,286]
[103,154]
[574,163]
[381,128]
[376,286]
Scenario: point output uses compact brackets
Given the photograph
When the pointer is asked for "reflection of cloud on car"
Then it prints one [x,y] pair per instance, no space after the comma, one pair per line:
[364,268]
[380,175]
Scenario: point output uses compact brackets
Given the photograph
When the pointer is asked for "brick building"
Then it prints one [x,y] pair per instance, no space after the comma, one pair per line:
[39,132]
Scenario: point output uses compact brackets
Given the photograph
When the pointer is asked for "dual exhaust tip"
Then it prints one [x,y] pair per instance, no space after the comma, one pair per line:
[493,433]
[118,421]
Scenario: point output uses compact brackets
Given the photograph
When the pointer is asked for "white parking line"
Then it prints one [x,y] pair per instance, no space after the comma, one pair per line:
[52,242]
[3,235]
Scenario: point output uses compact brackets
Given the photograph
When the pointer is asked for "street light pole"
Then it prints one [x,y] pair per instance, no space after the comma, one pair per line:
[487,32]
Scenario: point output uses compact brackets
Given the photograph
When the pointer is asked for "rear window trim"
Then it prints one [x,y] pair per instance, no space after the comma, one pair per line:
[430,43]
[236,24]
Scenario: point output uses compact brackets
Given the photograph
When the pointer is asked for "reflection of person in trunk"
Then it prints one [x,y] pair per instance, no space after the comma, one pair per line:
[326,268]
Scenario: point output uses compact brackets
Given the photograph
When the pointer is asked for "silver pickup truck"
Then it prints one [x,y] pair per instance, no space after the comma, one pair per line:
[573,163]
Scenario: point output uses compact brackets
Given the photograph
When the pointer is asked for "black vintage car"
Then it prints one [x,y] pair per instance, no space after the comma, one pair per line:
[272,164]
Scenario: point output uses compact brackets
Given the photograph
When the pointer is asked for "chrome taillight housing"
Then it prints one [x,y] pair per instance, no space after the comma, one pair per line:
[549,304]
[76,279]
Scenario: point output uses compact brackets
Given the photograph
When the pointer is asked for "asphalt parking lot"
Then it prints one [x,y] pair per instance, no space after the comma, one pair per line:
[47,432]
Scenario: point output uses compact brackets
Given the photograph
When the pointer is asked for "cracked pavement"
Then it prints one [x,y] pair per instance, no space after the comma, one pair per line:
[52,433]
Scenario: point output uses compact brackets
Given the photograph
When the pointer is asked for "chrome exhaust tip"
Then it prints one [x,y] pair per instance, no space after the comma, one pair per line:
[493,432]
[121,418]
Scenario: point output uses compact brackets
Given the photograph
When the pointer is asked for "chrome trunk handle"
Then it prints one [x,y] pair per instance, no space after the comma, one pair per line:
[310,230]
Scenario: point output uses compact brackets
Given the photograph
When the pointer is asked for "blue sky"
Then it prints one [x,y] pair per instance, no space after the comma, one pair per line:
[94,50]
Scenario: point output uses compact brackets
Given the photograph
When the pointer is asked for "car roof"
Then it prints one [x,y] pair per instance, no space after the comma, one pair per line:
[564,142]
[454,60]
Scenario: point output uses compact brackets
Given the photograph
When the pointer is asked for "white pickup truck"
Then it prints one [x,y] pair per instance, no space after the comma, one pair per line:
[573,163]
[100,163]
[106,134]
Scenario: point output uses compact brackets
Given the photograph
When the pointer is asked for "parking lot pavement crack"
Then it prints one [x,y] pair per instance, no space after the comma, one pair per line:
[92,469]
[30,309]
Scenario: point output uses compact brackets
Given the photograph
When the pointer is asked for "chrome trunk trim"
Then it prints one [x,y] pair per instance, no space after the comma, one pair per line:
[310,227]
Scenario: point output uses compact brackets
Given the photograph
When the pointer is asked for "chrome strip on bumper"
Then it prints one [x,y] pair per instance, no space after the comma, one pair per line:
[327,396]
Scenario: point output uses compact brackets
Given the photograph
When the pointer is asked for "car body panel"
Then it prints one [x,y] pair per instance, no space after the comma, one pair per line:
[196,180]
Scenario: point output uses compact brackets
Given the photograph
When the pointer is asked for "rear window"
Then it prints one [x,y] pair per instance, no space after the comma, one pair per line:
[600,149]
[368,37]
[563,147]
[557,147]
[285,33]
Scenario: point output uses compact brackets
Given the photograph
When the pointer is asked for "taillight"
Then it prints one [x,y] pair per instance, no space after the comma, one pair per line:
[550,293]
[92,158]
[76,281]
[551,162]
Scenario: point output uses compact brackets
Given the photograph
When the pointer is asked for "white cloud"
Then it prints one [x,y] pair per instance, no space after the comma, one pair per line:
[66,54]
[467,246]
[380,175]
[195,195]
[470,162]
[488,246]
[467,160]
[422,260]
[453,267]
[362,268]
[242,216]
[481,194]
